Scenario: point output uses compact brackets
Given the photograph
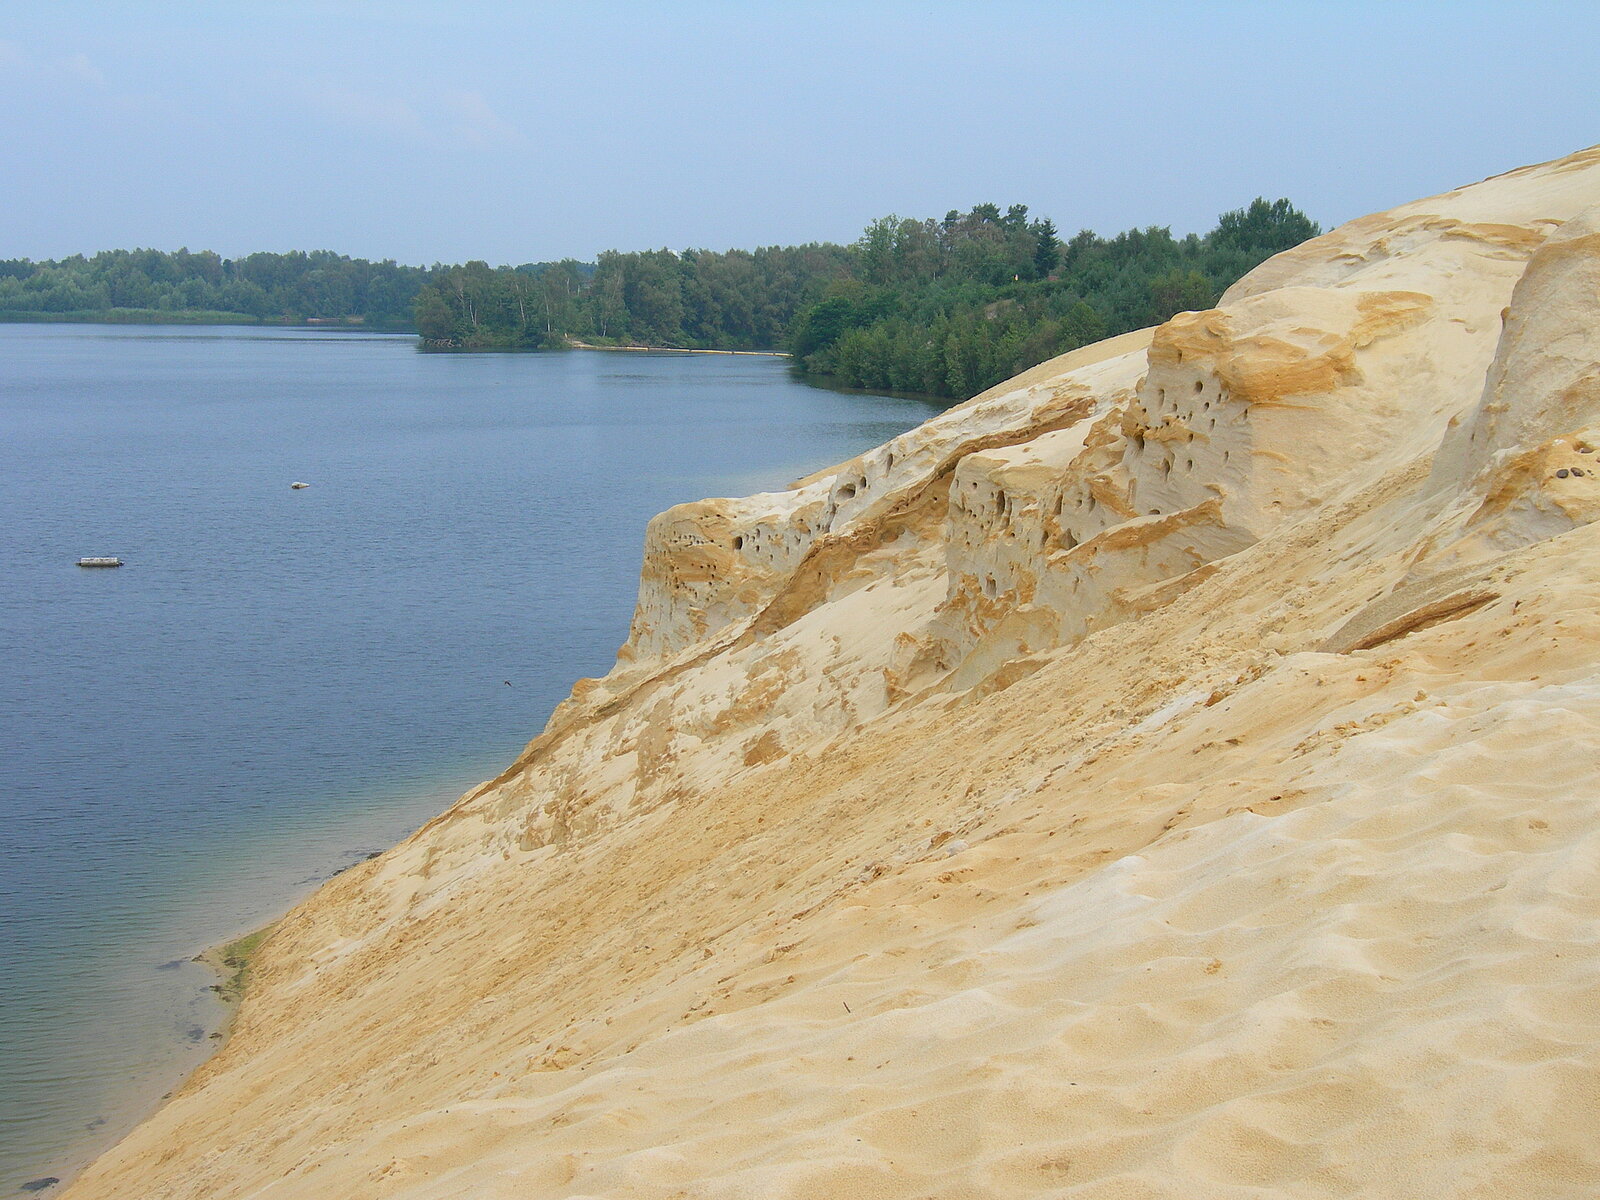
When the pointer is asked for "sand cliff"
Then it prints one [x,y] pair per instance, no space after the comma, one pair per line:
[1168,774]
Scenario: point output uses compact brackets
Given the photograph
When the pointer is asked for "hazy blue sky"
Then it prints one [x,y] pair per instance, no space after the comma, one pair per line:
[520,132]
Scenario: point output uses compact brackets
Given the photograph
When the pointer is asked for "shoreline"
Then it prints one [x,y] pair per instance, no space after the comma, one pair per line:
[144,317]
[230,963]
[192,319]
[574,344]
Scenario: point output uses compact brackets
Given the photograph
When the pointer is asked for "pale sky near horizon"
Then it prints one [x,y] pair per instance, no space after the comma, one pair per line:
[527,132]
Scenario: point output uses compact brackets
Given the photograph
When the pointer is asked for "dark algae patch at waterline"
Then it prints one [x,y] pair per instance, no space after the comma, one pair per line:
[232,961]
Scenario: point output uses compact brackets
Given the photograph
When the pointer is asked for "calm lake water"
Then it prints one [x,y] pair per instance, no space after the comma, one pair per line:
[279,682]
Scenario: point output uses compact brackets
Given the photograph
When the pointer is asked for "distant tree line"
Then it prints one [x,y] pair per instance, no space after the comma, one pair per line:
[201,285]
[699,299]
[942,307]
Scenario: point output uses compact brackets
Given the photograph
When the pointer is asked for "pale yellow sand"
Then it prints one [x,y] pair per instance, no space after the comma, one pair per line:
[1172,774]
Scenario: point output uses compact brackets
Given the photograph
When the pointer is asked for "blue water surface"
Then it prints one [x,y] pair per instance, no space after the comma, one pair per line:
[281,681]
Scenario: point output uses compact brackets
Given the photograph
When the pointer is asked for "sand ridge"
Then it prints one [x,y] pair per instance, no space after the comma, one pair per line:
[1168,774]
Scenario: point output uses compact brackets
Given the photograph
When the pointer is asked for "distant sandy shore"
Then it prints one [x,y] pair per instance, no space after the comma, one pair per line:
[577,345]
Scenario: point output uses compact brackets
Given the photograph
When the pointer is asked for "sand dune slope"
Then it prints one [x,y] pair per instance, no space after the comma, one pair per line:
[1170,774]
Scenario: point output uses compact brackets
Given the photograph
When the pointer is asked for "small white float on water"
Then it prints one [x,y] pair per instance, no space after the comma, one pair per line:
[99,562]
[297,485]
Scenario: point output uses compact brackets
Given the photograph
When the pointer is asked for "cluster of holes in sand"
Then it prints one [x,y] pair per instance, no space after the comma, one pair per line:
[1196,414]
[1073,516]
[1029,527]
[680,539]
[1073,512]
[980,509]
[768,543]
[858,485]
[845,490]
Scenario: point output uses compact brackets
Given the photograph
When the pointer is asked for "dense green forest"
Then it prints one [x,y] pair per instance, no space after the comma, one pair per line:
[955,306]
[945,308]
[145,285]
[699,299]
